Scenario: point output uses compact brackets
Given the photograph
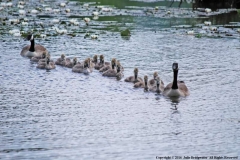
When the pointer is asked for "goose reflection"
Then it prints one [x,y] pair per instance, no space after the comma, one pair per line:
[174,104]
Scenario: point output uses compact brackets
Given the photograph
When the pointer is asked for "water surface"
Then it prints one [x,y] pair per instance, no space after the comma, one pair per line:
[59,114]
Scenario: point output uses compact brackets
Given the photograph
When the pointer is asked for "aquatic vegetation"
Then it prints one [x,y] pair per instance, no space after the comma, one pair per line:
[198,35]
[94,36]
[67,18]
[125,32]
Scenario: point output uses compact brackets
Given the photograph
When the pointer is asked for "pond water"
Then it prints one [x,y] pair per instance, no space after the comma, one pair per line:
[59,114]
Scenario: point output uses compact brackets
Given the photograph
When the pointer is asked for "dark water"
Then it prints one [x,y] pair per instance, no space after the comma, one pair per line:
[58,114]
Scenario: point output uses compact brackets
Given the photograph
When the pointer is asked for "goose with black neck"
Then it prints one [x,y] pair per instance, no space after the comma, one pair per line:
[32,50]
[176,88]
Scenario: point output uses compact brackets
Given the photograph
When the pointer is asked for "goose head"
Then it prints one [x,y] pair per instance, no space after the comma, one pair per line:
[63,57]
[95,58]
[44,54]
[74,61]
[89,61]
[135,73]
[175,66]
[86,63]
[101,59]
[145,82]
[47,60]
[113,62]
[30,37]
[155,75]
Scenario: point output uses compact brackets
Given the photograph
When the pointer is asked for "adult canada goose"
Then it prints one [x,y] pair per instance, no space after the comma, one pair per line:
[70,64]
[176,88]
[107,67]
[82,68]
[61,61]
[111,72]
[159,88]
[119,73]
[33,50]
[36,59]
[134,78]
[142,84]
[101,64]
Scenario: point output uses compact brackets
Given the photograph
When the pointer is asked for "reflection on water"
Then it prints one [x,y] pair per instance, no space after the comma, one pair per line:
[59,114]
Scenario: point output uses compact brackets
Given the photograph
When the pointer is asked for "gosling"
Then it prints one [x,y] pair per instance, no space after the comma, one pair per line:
[61,61]
[134,78]
[111,72]
[101,64]
[142,84]
[37,58]
[70,64]
[159,88]
[107,67]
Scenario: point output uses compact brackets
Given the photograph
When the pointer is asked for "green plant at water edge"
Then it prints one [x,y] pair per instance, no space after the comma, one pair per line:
[238,12]
[126,32]
[198,35]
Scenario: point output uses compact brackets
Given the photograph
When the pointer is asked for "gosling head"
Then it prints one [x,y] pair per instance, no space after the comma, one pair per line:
[135,73]
[89,60]
[135,70]
[95,58]
[74,61]
[62,56]
[86,63]
[47,59]
[113,63]
[155,75]
[44,54]
[101,59]
[118,67]
[145,78]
